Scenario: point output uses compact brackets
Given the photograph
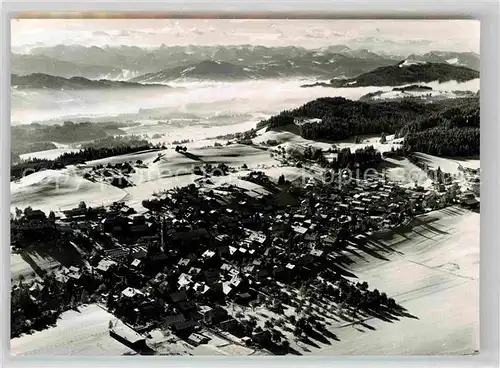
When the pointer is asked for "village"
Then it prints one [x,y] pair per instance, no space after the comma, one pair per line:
[260,266]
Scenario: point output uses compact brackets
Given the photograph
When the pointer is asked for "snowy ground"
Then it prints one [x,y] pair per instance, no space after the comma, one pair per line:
[451,165]
[289,139]
[52,190]
[406,174]
[434,274]
[77,333]
[20,265]
[47,154]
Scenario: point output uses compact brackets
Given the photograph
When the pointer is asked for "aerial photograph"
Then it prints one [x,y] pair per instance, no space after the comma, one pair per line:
[244,187]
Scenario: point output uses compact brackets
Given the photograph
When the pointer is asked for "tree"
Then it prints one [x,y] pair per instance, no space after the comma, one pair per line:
[276,335]
[285,344]
[52,216]
[383,139]
[298,332]
[84,297]
[28,210]
[19,213]
[82,205]
[383,298]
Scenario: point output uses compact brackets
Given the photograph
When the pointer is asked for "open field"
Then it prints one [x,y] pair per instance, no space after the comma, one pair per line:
[47,154]
[77,333]
[24,265]
[52,190]
[406,173]
[434,273]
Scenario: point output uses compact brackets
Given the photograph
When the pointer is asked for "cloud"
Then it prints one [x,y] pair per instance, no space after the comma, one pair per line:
[100,33]
[197,31]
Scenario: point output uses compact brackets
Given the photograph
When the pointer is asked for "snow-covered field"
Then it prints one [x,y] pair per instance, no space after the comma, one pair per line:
[406,174]
[47,154]
[20,265]
[289,140]
[53,190]
[434,274]
[77,333]
[449,165]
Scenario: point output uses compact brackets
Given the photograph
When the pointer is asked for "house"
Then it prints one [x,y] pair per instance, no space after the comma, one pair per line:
[128,337]
[171,320]
[178,296]
[223,250]
[247,340]
[194,271]
[204,313]
[191,235]
[262,337]
[184,280]
[229,325]
[317,253]
[135,263]
[184,328]
[105,266]
[300,230]
[243,298]
[211,276]
[196,339]
[186,305]
[208,254]
[139,253]
[227,289]
[131,293]
[184,262]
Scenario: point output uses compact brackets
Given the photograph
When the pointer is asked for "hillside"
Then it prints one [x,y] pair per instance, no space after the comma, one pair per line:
[455,121]
[46,81]
[28,64]
[37,137]
[468,59]
[406,72]
[314,64]
[205,70]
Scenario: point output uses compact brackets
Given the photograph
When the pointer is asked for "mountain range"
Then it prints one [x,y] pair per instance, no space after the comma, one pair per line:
[324,66]
[46,81]
[126,62]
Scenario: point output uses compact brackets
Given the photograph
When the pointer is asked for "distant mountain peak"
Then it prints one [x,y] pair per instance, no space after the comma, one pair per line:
[46,81]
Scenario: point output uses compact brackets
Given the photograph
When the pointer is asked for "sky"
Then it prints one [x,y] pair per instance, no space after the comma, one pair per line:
[400,36]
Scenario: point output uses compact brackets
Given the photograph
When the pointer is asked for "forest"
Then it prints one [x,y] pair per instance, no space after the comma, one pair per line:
[402,73]
[444,142]
[343,118]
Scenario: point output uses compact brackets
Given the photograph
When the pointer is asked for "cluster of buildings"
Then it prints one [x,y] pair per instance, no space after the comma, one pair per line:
[200,248]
